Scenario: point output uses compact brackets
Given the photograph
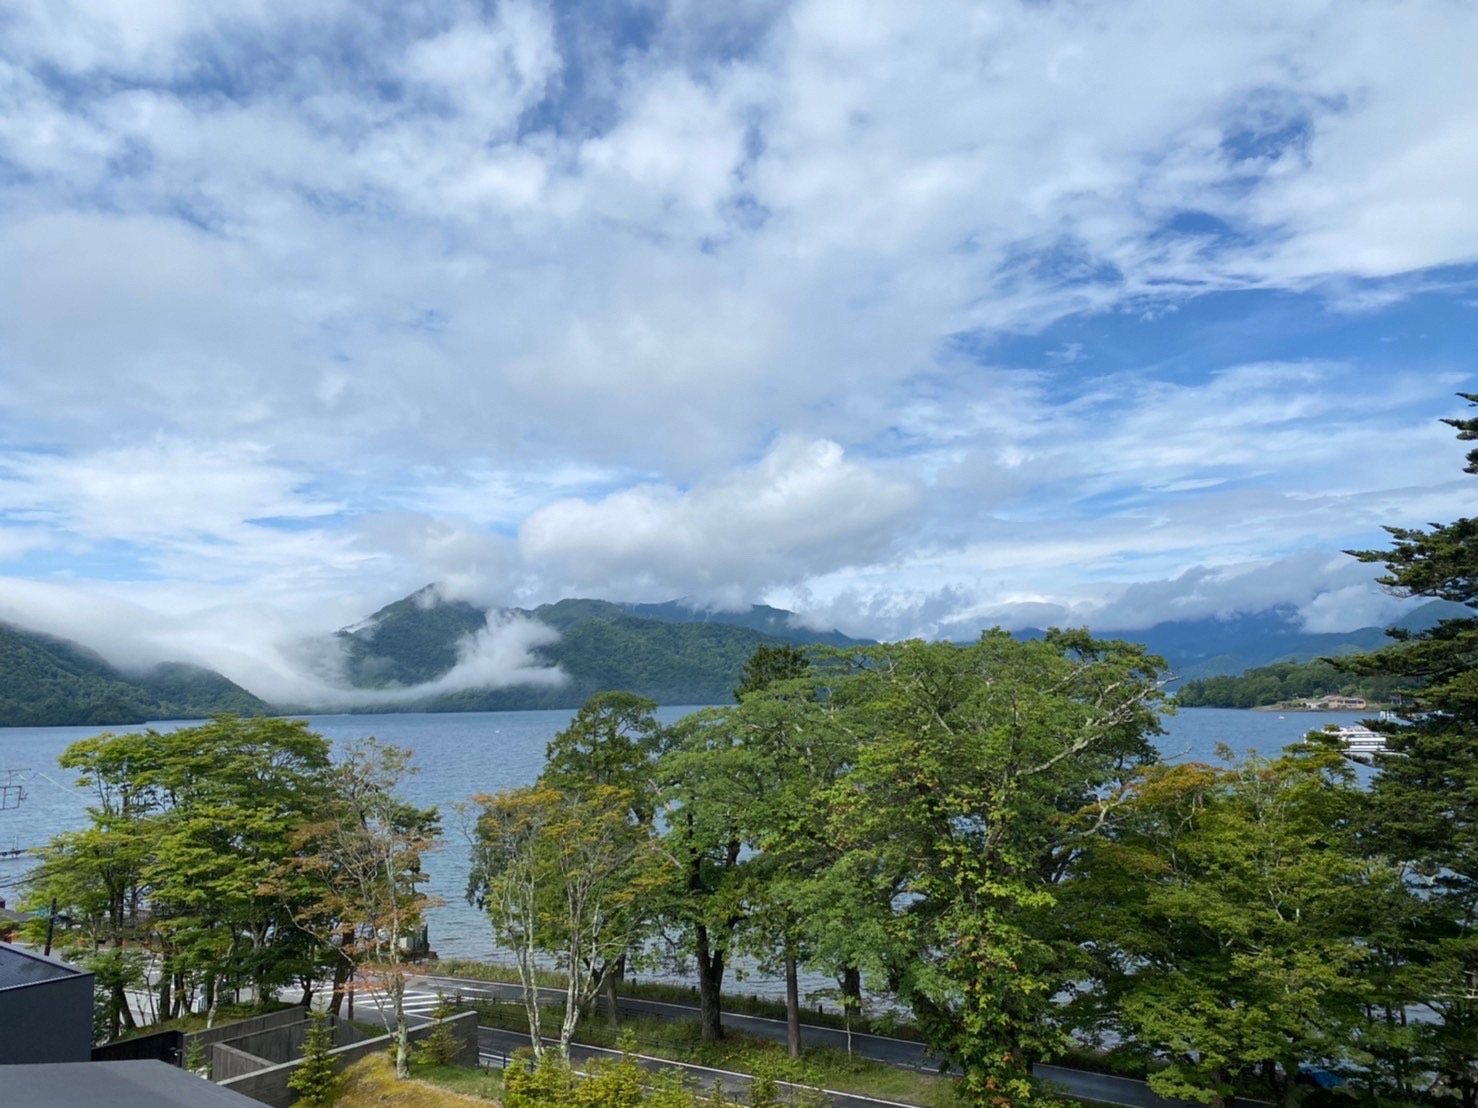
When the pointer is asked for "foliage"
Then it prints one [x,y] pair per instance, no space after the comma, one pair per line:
[962,808]
[1224,908]
[441,1047]
[197,1058]
[769,664]
[1424,813]
[1283,682]
[186,831]
[568,873]
[114,972]
[316,1079]
[548,1082]
[360,862]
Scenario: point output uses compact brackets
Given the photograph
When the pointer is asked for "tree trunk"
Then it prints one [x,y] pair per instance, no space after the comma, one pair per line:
[710,983]
[336,998]
[852,988]
[1221,1077]
[613,1000]
[212,992]
[792,1007]
[165,981]
[402,1031]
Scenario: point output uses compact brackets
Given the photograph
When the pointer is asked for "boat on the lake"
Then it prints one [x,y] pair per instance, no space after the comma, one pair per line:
[1360,742]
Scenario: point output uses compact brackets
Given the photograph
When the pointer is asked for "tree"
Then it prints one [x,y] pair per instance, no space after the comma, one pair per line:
[187,828]
[1225,909]
[1424,811]
[703,811]
[317,1080]
[363,861]
[572,875]
[963,805]
[612,741]
[770,664]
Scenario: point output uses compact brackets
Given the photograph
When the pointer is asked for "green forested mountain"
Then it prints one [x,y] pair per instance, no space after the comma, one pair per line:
[775,622]
[601,646]
[46,681]
[1283,681]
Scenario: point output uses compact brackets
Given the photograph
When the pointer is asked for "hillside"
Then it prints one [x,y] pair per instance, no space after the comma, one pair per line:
[602,646]
[1281,683]
[48,682]
[775,622]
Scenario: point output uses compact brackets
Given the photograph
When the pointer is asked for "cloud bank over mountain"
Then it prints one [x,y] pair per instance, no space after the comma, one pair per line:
[907,317]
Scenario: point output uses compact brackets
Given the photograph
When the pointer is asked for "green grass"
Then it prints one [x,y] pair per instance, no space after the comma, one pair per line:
[467,1080]
[737,1003]
[371,1083]
[195,1021]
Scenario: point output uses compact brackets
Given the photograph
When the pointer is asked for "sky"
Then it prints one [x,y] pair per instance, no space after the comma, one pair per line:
[912,318]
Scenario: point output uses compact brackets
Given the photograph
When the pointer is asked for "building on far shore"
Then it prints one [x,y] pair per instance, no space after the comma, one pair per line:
[1334,702]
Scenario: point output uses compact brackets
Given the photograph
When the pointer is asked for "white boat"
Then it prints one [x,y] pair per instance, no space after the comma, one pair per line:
[1361,743]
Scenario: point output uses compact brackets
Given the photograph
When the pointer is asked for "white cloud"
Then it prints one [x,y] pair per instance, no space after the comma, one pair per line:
[308,306]
[804,508]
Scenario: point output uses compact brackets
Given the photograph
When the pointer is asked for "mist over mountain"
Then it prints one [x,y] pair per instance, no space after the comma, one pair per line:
[426,652]
[46,681]
[669,652]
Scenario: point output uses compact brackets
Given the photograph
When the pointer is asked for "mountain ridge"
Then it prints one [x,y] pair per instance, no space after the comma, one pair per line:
[46,681]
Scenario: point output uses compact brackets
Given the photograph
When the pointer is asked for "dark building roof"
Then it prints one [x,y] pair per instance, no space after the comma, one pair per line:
[112,1085]
[20,967]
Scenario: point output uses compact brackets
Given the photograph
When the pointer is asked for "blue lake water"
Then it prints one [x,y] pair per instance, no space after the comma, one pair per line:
[460,755]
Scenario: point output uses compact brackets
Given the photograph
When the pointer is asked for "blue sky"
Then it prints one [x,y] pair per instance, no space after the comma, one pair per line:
[913,318]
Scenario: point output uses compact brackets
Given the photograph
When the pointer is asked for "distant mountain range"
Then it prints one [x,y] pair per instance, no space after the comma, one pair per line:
[46,681]
[1233,644]
[672,653]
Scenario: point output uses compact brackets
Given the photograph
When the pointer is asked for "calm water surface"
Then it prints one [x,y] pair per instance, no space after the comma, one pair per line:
[460,755]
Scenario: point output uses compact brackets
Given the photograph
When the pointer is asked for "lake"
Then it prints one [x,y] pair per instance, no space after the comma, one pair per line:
[459,755]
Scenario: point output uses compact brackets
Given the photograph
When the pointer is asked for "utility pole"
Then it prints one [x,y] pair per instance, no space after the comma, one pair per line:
[12,791]
[50,926]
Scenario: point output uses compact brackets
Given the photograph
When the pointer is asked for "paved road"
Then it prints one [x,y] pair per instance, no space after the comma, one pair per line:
[881,1048]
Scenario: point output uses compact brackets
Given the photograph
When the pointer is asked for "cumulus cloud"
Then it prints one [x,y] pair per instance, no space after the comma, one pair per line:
[803,508]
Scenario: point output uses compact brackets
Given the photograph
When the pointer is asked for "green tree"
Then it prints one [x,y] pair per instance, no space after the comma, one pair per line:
[770,664]
[1225,909]
[186,829]
[612,741]
[361,858]
[964,804]
[1424,811]
[317,1080]
[703,808]
[572,875]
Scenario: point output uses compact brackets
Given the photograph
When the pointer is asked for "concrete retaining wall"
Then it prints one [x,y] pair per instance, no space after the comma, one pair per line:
[269,1085]
[237,1028]
[283,1044]
[227,1062]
